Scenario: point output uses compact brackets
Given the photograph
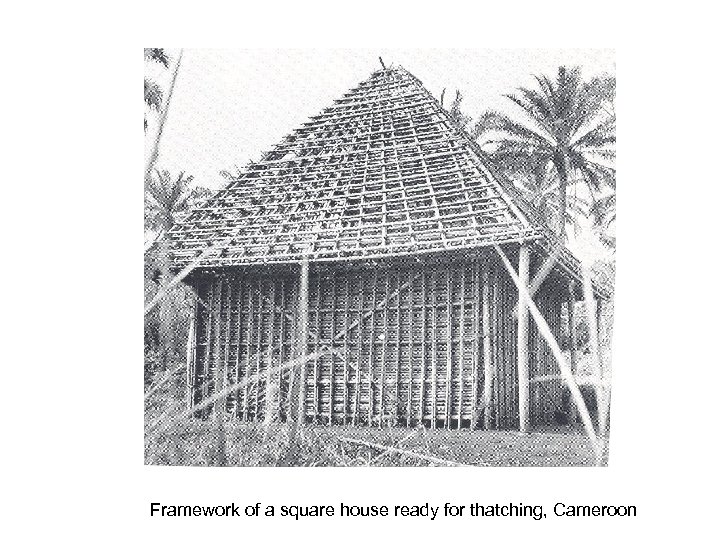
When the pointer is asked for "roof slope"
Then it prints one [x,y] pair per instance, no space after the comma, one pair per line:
[383,171]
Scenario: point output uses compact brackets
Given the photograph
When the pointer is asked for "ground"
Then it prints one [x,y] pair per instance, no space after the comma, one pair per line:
[195,442]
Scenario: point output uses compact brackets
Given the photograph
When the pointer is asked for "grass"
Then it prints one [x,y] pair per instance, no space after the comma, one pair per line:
[194,442]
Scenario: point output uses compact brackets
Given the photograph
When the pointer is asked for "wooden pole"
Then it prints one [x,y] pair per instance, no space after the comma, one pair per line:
[297,380]
[487,353]
[522,345]
[601,389]
[191,353]
[573,337]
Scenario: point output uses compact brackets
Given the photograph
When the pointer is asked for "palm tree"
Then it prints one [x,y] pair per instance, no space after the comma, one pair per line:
[603,214]
[167,197]
[153,92]
[565,128]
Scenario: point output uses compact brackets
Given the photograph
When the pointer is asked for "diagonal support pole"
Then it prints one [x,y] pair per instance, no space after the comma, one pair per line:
[565,370]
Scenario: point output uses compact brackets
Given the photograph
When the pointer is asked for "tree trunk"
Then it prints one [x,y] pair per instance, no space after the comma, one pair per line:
[561,167]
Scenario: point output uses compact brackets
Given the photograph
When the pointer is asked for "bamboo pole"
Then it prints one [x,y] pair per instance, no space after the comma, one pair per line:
[448,368]
[250,326]
[494,330]
[557,353]
[522,341]
[226,359]
[434,349]
[573,338]
[477,342]
[346,350]
[331,358]
[371,357]
[411,298]
[297,385]
[191,352]
[269,394]
[462,347]
[398,380]
[383,357]
[258,355]
[218,376]
[487,352]
[358,378]
[423,372]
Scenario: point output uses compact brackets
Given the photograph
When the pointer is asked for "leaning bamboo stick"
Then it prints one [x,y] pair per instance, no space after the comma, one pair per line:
[562,363]
[402,452]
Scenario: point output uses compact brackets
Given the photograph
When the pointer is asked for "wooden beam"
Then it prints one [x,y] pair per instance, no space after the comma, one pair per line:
[522,344]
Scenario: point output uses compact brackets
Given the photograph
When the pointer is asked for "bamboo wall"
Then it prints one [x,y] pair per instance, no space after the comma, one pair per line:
[389,345]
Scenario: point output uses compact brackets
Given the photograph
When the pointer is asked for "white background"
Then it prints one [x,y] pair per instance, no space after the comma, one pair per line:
[72,281]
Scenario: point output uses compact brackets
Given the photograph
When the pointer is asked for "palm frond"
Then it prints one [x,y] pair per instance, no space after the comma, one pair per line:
[509,128]
[157,55]
[153,95]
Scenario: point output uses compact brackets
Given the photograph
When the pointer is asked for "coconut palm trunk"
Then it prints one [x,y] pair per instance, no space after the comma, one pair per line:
[562,171]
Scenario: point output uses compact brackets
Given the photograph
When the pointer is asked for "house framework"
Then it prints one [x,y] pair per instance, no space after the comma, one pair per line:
[352,276]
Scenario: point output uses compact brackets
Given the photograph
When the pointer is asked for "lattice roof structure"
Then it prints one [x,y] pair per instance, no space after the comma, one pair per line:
[384,171]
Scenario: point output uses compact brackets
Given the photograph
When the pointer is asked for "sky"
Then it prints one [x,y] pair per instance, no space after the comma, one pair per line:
[229,106]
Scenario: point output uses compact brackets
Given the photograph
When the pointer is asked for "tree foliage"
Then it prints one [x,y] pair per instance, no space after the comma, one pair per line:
[153,92]
[564,129]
